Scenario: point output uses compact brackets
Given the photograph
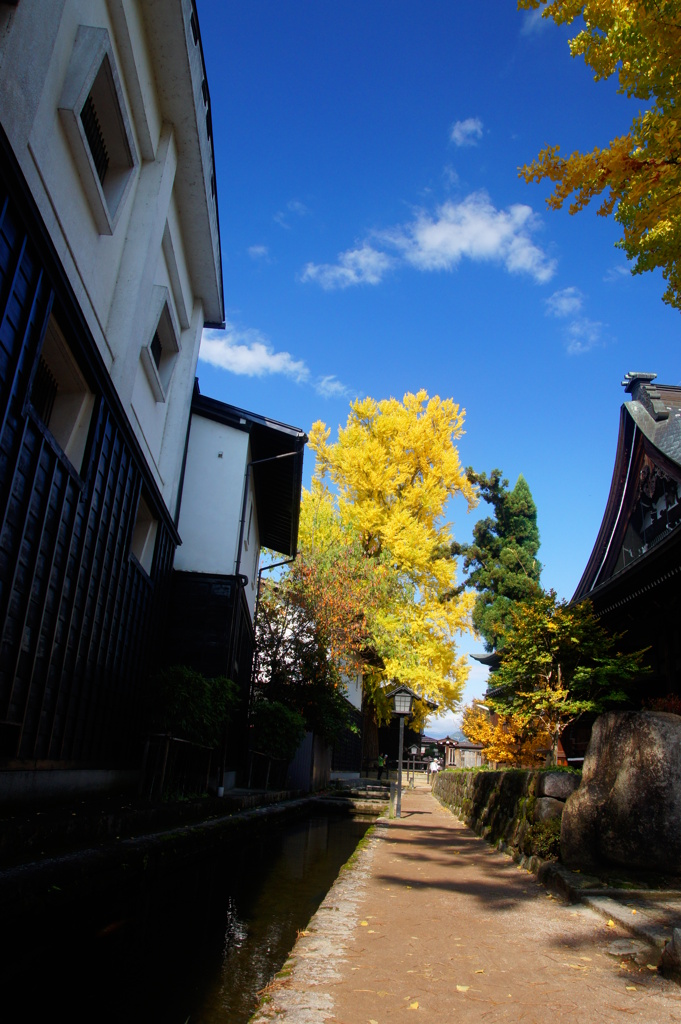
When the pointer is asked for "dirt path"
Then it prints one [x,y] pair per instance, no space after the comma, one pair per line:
[434,924]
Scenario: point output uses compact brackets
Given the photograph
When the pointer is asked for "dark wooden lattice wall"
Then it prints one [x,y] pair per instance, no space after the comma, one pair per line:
[78,614]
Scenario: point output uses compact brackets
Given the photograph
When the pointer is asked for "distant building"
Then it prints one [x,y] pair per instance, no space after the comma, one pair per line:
[109,269]
[461,753]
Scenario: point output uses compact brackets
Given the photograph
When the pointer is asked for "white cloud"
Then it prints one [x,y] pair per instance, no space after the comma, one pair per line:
[247,352]
[534,22]
[469,229]
[466,133]
[473,229]
[451,177]
[258,252]
[293,206]
[565,302]
[365,265]
[331,387]
[583,335]
[616,273]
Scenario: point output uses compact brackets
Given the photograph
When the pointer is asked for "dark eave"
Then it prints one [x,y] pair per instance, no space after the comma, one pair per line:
[491,660]
[649,425]
[277,480]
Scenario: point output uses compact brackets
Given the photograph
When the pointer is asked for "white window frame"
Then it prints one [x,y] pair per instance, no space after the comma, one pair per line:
[71,415]
[143,541]
[92,52]
[165,324]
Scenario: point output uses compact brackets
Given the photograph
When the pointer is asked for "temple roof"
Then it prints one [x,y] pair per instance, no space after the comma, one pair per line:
[643,511]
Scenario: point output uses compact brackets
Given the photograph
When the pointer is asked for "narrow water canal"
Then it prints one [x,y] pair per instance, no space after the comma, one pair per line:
[195,946]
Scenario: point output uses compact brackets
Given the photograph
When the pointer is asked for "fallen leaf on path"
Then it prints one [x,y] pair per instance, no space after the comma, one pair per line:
[364,924]
[462,988]
[413,1006]
[372,1021]
[651,967]
[631,988]
[611,923]
[479,972]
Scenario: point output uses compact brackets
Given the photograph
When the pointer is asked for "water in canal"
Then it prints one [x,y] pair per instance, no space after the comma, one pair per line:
[195,946]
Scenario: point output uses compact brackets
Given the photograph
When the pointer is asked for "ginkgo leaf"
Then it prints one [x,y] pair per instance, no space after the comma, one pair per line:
[413,1006]
[462,988]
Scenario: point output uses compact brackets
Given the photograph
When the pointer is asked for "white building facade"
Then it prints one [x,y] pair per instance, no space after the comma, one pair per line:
[109,269]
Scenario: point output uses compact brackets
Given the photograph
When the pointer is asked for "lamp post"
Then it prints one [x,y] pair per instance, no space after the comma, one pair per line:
[402,699]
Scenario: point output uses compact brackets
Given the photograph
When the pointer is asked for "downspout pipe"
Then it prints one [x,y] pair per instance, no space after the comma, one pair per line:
[240,583]
[265,568]
[244,503]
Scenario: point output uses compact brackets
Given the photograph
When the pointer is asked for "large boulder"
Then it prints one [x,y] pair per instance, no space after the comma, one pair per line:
[559,785]
[627,810]
[546,807]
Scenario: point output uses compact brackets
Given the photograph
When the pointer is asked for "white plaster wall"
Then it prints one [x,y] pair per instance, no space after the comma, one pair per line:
[212,500]
[114,275]
[353,689]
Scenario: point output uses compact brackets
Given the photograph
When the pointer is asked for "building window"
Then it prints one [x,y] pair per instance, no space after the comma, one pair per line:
[95,119]
[144,536]
[160,354]
[61,397]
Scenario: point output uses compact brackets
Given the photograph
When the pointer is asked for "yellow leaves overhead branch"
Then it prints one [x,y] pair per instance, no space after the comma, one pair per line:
[639,172]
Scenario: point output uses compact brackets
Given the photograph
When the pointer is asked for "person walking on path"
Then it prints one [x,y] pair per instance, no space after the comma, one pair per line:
[433,924]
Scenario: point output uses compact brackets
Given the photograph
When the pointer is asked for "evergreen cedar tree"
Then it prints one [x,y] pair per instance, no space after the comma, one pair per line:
[639,172]
[375,550]
[558,662]
[501,562]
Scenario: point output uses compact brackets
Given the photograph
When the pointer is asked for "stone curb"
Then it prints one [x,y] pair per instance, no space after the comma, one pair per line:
[52,878]
[300,992]
[604,901]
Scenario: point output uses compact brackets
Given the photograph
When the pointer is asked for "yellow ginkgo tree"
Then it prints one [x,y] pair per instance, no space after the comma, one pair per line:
[384,484]
[639,172]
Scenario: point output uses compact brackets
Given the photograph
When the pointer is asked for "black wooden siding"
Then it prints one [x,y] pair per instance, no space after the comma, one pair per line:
[78,615]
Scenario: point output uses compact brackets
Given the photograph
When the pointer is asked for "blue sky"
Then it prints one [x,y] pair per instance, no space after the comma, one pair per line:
[376,239]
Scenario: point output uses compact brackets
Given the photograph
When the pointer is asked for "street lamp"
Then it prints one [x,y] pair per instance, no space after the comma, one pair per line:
[402,698]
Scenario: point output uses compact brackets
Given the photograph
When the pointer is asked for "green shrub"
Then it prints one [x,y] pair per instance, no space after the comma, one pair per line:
[276,729]
[542,839]
[191,706]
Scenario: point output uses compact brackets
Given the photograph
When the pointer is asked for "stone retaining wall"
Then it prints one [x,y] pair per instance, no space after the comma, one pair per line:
[502,806]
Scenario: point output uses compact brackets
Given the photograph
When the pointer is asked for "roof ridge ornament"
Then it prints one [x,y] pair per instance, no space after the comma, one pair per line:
[640,386]
[633,378]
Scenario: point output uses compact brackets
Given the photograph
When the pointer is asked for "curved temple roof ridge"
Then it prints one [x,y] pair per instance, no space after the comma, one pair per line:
[641,389]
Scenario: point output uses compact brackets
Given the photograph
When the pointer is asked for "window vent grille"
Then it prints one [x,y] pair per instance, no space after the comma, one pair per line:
[44,391]
[95,138]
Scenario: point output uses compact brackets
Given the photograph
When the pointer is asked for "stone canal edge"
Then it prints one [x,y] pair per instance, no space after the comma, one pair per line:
[299,993]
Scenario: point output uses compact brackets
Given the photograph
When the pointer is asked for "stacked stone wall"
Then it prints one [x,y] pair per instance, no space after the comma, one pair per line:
[505,807]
